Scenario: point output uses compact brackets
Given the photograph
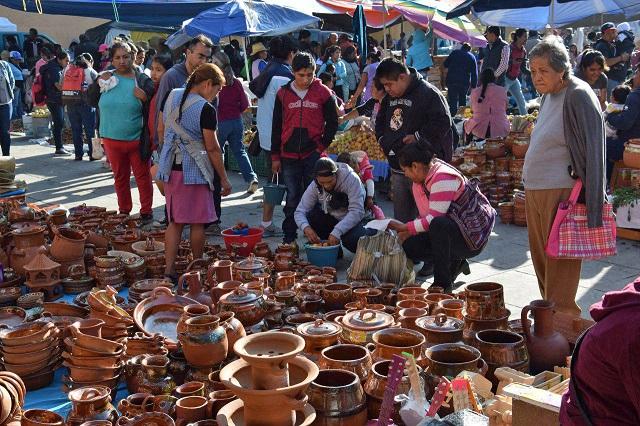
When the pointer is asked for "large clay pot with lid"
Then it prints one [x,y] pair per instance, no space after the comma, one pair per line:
[190,281]
[248,306]
[338,398]
[244,269]
[91,403]
[547,347]
[440,329]
[28,242]
[318,335]
[204,342]
[67,244]
[359,326]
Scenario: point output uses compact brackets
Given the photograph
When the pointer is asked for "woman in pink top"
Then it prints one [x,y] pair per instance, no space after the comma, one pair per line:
[489,106]
[434,236]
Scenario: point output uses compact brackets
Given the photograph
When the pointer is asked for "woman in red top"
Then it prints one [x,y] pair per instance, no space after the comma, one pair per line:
[159,66]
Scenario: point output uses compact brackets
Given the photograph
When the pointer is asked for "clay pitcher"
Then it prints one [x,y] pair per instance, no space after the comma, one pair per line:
[191,311]
[194,288]
[223,270]
[547,347]
[232,326]
[204,342]
[223,288]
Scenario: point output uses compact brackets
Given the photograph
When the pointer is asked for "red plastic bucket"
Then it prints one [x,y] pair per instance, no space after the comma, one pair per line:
[247,242]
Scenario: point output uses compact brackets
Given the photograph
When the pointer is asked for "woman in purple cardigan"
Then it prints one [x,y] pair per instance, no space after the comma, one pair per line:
[489,106]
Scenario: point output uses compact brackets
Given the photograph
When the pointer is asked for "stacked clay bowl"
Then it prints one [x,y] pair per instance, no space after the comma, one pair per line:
[103,306]
[32,351]
[109,271]
[92,360]
[141,344]
[12,393]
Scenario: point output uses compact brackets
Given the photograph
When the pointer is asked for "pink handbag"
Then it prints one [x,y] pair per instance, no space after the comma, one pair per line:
[571,238]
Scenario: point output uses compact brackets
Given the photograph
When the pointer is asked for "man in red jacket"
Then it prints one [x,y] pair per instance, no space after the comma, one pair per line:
[305,120]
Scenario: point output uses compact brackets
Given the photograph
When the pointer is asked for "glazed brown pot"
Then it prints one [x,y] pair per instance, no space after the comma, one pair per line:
[287,297]
[405,304]
[433,299]
[245,269]
[336,296]
[90,326]
[90,403]
[359,326]
[191,409]
[547,347]
[194,288]
[352,358]
[204,342]
[440,329]
[223,287]
[407,317]
[451,308]
[28,242]
[411,293]
[338,398]
[375,387]
[134,404]
[450,359]
[395,341]
[485,301]
[472,326]
[190,389]
[298,319]
[222,269]
[310,303]
[67,244]
[41,418]
[285,280]
[191,311]
[318,335]
[156,379]
[232,326]
[248,306]
[500,348]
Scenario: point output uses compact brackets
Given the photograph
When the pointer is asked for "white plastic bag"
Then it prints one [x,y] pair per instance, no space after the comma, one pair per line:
[97,149]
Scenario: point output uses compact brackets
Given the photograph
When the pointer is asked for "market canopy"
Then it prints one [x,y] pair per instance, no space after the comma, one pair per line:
[376,14]
[239,18]
[537,14]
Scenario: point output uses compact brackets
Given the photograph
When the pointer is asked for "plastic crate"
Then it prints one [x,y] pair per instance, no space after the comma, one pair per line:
[259,163]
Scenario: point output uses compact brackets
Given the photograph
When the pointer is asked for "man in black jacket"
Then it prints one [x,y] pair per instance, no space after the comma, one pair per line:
[52,81]
[31,48]
[413,109]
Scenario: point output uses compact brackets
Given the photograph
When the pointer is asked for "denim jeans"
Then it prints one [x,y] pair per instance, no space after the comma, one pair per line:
[324,223]
[513,87]
[17,104]
[457,97]
[82,116]
[57,117]
[297,175]
[232,131]
[614,150]
[5,122]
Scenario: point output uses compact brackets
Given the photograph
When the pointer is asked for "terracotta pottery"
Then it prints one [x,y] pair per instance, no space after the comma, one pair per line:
[232,326]
[135,404]
[405,304]
[218,399]
[67,244]
[310,303]
[282,262]
[90,403]
[93,374]
[248,306]
[547,347]
[451,308]
[204,342]
[358,326]
[12,315]
[222,288]
[395,341]
[352,358]
[27,333]
[407,317]
[193,288]
[440,329]
[338,398]
[472,326]
[191,409]
[318,335]
[178,367]
[485,301]
[500,348]
[449,359]
[376,385]
[37,417]
[245,269]
[411,293]
[190,389]
[156,380]
[332,315]
[285,280]
[286,297]
[233,414]
[191,311]
[149,419]
[433,299]
[336,296]
[296,319]
[28,241]
[89,326]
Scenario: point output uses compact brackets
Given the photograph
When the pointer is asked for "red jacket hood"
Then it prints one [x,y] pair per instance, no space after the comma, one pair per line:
[628,297]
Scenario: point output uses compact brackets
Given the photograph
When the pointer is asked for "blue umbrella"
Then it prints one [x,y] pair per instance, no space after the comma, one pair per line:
[360,34]
[241,19]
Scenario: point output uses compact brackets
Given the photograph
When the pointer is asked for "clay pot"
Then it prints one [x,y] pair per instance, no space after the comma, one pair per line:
[224,287]
[500,348]
[520,147]
[89,326]
[472,326]
[485,301]
[333,315]
[218,399]
[310,303]
[37,417]
[375,387]
[359,326]
[156,380]
[286,297]
[245,269]
[318,335]
[67,244]
[336,296]
[433,299]
[232,326]
[451,308]
[407,317]
[28,242]
[194,287]
[495,148]
[440,329]
[285,280]
[191,409]
[190,389]
[248,306]
[411,293]
[449,359]
[395,341]
[338,398]
[262,250]
[191,311]
[135,404]
[547,347]
[204,342]
[352,358]
[90,403]
[407,304]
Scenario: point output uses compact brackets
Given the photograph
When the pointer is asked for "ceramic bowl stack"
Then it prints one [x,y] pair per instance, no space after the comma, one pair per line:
[103,305]
[109,271]
[134,265]
[32,351]
[77,281]
[519,212]
[153,253]
[12,393]
[141,344]
[92,360]
[142,289]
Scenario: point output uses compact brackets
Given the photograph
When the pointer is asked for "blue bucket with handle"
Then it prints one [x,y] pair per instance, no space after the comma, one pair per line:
[274,191]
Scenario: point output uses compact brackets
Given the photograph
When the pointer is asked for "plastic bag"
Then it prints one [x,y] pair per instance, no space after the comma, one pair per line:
[97,149]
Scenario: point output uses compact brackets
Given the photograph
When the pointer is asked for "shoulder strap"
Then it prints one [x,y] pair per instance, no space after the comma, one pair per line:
[573,383]
[173,114]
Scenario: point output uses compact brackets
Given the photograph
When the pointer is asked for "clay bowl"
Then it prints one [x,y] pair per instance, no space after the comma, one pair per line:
[6,404]
[79,351]
[36,417]
[27,333]
[92,361]
[232,414]
[268,348]
[12,380]
[24,349]
[29,357]
[12,316]
[94,343]
[93,374]
[27,369]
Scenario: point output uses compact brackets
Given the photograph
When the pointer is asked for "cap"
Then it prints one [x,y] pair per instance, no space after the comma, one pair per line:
[15,55]
[607,26]
[257,48]
[325,167]
[623,26]
[492,29]
[103,48]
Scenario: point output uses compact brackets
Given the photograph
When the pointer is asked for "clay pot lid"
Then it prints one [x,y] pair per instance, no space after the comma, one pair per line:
[240,296]
[319,327]
[440,323]
[250,263]
[367,319]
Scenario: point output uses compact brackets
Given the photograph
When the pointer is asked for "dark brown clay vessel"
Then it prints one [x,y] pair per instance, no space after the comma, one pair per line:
[547,347]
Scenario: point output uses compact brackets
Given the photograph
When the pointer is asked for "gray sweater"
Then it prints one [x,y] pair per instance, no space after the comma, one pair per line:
[347,182]
[585,136]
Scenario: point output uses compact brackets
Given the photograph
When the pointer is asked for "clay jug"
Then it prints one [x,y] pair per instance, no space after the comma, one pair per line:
[223,288]
[194,288]
[91,403]
[204,342]
[223,270]
[155,377]
[547,347]
[191,311]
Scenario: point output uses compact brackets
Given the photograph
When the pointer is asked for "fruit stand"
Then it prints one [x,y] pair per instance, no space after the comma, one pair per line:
[362,138]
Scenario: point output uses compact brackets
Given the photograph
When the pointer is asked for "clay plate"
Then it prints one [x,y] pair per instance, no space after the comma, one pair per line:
[8,381]
[12,316]
[16,378]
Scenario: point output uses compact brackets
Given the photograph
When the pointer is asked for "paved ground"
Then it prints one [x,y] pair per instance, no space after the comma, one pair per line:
[505,260]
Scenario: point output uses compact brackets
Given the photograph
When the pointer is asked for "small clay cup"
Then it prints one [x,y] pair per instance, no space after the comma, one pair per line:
[190,389]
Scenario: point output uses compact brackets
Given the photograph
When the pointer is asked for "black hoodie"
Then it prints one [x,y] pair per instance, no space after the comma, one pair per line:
[423,112]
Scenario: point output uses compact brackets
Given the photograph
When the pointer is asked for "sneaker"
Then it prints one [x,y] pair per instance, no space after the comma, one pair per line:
[426,270]
[271,231]
[253,187]
[213,229]
[61,152]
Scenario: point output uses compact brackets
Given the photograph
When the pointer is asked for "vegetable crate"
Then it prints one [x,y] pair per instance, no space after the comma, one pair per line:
[259,163]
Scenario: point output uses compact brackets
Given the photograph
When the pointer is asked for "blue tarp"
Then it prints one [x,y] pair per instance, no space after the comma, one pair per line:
[536,14]
[241,19]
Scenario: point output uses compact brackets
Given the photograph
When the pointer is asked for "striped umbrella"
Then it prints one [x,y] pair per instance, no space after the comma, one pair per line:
[425,13]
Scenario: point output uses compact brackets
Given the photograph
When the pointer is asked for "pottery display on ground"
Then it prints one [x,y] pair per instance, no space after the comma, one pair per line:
[338,398]
[90,403]
[318,335]
[500,348]
[359,326]
[354,358]
[547,347]
[204,341]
